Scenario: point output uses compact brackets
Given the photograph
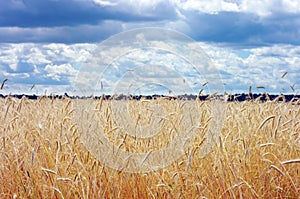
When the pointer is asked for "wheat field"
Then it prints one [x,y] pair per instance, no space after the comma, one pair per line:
[257,154]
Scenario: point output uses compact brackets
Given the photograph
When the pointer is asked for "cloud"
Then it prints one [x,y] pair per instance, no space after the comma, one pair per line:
[208,6]
[252,42]
[65,34]
[241,28]
[53,13]
[41,64]
[255,23]
[105,3]
[154,9]
[268,8]
[261,8]
[264,66]
[61,72]
[57,65]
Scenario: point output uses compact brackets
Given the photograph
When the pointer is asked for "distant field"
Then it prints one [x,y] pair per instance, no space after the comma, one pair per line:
[257,154]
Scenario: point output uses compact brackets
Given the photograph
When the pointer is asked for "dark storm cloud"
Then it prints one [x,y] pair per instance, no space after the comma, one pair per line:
[282,28]
[77,21]
[72,21]
[244,28]
[53,13]
[65,34]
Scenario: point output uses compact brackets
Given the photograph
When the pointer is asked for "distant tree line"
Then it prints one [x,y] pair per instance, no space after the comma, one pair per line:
[229,97]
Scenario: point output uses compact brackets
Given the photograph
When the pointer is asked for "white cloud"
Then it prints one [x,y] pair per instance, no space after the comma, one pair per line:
[155,9]
[261,8]
[291,6]
[16,75]
[105,3]
[208,6]
[57,72]
[265,8]
[263,67]
[56,64]
[143,5]
[44,65]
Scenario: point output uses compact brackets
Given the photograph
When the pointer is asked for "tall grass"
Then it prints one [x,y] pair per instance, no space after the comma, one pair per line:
[256,156]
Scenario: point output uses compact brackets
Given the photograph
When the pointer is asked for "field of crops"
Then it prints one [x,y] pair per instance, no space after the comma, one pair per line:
[43,155]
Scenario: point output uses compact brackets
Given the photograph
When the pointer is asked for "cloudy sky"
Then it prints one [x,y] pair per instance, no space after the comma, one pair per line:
[251,42]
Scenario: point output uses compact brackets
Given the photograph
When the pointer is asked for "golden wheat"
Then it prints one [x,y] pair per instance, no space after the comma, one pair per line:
[42,154]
